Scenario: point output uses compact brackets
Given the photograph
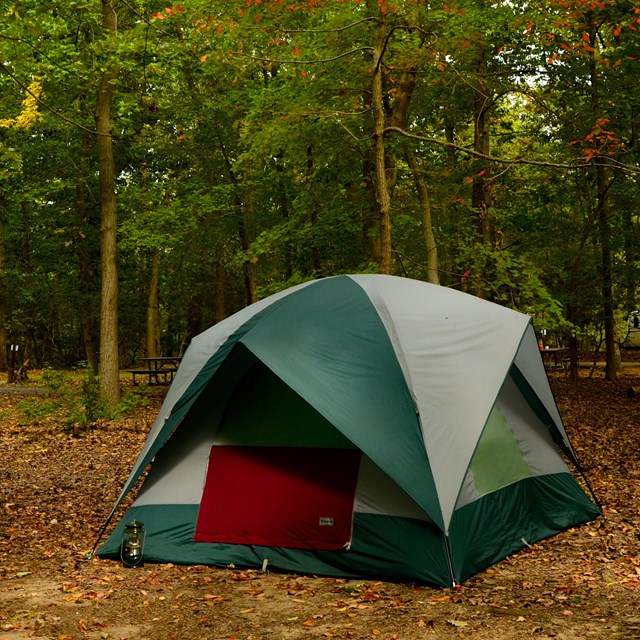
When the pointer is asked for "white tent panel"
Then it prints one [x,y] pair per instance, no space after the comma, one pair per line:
[447,342]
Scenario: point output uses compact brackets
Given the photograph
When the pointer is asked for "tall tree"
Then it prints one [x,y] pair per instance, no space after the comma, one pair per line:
[109,358]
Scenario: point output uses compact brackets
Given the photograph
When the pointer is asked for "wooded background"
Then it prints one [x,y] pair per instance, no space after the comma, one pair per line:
[163,166]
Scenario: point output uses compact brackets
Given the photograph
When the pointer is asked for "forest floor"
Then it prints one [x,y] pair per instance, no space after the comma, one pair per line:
[56,490]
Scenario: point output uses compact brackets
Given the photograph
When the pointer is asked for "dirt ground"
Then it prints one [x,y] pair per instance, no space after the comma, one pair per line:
[56,490]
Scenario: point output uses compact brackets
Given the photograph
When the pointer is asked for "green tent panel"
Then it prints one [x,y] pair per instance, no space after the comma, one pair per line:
[357,426]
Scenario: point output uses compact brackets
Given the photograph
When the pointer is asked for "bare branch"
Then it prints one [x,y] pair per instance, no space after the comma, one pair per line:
[336,30]
[146,20]
[304,62]
[40,52]
[579,163]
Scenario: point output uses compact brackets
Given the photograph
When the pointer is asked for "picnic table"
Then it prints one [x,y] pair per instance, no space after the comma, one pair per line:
[159,370]
[555,357]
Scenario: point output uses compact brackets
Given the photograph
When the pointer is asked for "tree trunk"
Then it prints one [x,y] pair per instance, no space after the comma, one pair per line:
[316,264]
[630,260]
[4,345]
[450,137]
[383,198]
[481,196]
[242,209]
[608,309]
[398,118]
[86,251]
[109,363]
[425,207]
[27,272]
[251,295]
[604,224]
[284,212]
[482,189]
[370,236]
[153,307]
[219,306]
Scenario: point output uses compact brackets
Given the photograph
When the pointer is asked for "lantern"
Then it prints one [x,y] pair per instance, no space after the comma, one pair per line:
[132,544]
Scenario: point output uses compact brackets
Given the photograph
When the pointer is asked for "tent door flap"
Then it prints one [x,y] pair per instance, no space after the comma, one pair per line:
[290,497]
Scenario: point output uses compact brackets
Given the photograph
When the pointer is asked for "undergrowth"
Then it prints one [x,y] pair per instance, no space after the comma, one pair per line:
[74,401]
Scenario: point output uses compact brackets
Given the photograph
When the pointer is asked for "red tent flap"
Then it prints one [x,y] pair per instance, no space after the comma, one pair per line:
[288,497]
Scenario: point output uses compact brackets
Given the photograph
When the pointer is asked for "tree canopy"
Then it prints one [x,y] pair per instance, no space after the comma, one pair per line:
[490,147]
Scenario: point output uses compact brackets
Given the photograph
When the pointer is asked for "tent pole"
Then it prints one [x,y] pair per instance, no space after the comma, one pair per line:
[447,548]
[583,474]
[99,537]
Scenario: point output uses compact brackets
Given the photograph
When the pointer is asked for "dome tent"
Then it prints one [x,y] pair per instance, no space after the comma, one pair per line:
[357,426]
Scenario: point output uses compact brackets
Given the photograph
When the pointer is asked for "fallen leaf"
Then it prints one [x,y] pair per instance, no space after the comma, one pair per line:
[458,623]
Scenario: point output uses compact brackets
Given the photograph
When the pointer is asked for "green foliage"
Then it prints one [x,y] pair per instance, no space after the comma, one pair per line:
[74,402]
[35,411]
[243,142]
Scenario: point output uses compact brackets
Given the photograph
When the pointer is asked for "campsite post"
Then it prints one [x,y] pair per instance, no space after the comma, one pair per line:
[132,544]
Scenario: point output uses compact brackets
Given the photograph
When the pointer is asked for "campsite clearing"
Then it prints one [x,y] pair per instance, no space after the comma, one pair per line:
[57,489]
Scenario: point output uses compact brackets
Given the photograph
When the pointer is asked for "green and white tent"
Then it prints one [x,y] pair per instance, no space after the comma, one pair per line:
[358,426]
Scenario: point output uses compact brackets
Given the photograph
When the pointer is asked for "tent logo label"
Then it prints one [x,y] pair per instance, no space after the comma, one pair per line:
[326,521]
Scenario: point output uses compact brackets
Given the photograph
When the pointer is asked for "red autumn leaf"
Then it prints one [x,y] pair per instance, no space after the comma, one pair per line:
[296,51]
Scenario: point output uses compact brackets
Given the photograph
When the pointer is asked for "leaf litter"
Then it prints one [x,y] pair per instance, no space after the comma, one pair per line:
[57,489]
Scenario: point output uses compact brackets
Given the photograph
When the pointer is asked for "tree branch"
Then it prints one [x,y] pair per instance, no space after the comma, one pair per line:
[579,163]
[304,62]
[146,20]
[336,30]
[46,107]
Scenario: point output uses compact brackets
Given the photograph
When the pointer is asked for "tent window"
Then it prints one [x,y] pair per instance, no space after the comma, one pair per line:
[498,460]
[289,497]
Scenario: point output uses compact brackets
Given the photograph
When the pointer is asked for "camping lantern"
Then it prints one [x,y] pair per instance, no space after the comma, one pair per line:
[132,544]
